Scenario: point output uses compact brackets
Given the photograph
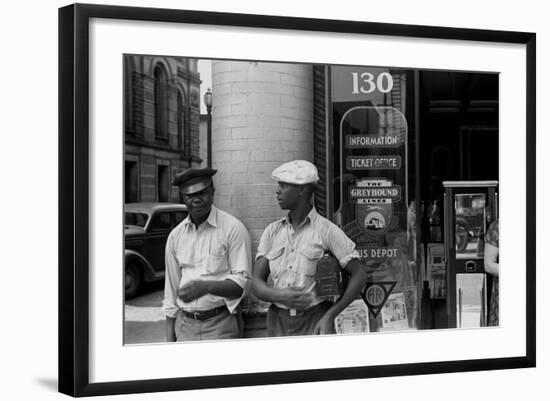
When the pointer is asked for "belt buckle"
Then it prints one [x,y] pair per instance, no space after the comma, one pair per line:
[292,312]
[196,315]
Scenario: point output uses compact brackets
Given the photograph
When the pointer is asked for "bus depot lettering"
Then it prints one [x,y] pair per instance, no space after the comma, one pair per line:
[371,141]
[373,162]
[379,253]
[357,194]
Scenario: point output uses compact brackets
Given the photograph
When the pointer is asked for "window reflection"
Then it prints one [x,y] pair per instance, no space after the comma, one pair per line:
[469,225]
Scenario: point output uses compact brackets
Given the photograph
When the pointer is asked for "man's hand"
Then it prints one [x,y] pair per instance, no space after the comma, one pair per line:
[325,325]
[295,297]
[192,290]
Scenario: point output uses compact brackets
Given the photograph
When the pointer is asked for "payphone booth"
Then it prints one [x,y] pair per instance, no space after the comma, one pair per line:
[469,207]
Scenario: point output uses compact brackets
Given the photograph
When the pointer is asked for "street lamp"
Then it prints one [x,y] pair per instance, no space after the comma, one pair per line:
[208,103]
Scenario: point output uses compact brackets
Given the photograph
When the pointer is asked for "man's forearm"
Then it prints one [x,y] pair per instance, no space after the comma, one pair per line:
[223,288]
[263,291]
[355,284]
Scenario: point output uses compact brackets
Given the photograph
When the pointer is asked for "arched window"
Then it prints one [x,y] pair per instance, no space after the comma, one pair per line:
[182,122]
[161,102]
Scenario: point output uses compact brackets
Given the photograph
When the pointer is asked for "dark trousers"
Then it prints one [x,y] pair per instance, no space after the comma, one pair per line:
[280,322]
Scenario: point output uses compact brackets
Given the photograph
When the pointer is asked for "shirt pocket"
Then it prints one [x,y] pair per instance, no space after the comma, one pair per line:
[215,263]
[275,258]
[184,261]
[310,256]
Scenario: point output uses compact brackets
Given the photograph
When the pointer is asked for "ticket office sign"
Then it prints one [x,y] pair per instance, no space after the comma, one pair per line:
[361,162]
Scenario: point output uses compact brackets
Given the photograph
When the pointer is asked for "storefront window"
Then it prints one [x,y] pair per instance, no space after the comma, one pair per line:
[371,189]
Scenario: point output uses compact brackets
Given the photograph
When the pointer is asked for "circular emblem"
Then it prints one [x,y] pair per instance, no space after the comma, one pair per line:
[375,295]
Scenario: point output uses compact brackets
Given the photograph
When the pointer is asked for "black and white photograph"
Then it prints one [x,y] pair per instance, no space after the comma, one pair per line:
[275,201]
[291,200]
[262,199]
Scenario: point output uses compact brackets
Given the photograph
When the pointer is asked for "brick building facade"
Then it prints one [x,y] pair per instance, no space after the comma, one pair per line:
[162,117]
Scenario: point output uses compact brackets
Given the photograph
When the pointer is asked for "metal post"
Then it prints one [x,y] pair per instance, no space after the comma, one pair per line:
[209,137]
[208,104]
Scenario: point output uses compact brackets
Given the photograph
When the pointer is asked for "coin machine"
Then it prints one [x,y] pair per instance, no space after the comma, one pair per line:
[469,208]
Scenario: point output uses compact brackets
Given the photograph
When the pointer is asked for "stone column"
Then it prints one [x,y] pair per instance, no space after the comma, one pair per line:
[262,116]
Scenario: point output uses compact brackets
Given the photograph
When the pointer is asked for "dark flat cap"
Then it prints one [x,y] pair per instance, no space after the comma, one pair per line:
[194,179]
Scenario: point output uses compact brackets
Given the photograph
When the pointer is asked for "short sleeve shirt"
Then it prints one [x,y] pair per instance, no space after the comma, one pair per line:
[293,254]
[218,249]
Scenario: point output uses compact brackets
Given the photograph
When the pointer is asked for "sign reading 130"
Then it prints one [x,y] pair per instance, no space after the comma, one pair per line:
[366,82]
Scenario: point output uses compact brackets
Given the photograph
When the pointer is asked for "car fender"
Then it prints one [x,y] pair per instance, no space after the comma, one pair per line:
[147,269]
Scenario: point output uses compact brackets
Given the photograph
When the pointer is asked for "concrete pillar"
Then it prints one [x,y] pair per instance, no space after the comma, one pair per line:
[262,116]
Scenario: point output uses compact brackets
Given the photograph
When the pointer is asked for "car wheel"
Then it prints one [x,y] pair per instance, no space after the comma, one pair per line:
[132,280]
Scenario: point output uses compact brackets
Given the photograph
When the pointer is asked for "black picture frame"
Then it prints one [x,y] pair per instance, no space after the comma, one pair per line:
[74,194]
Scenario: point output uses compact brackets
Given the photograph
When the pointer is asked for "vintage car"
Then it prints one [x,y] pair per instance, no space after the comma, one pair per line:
[146,228]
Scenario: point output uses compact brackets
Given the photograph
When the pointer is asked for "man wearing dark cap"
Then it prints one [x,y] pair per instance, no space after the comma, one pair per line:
[208,268]
[289,251]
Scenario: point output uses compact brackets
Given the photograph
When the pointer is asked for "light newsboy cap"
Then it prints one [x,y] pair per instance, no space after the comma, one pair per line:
[194,180]
[298,172]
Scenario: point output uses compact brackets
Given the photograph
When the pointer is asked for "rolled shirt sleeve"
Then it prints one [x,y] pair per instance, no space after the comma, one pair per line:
[339,244]
[239,259]
[172,279]
[265,243]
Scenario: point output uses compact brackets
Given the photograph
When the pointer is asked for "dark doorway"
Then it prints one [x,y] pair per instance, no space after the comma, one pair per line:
[458,118]
[458,128]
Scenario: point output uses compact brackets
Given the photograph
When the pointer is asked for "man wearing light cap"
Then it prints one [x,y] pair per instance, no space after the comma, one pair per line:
[289,250]
[208,267]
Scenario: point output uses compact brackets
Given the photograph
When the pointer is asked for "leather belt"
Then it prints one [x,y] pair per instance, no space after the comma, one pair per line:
[300,312]
[207,314]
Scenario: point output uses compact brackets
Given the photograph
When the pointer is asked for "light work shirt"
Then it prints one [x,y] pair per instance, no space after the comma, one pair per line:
[219,249]
[293,254]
